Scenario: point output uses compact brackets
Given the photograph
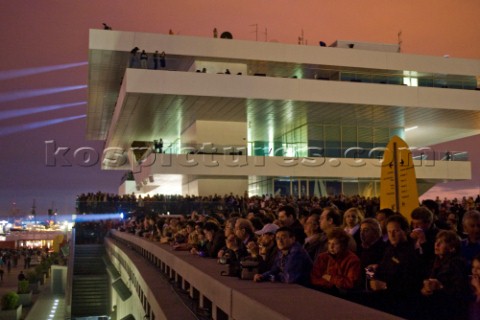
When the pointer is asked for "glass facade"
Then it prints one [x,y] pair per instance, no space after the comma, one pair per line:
[317,140]
[308,187]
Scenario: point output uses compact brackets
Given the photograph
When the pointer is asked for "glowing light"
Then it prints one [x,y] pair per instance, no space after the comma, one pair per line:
[35,125]
[411,128]
[12,74]
[96,217]
[23,94]
[28,111]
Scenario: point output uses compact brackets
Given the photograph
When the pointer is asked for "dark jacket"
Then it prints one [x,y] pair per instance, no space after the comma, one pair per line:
[451,301]
[294,267]
[402,270]
[217,243]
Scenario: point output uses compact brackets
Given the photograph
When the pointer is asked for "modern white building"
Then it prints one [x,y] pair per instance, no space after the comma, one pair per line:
[289,119]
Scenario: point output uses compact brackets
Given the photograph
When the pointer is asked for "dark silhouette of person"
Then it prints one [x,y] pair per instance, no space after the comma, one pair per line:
[158,145]
[163,62]
[21,276]
[156,60]
[133,57]
[144,60]
[106,26]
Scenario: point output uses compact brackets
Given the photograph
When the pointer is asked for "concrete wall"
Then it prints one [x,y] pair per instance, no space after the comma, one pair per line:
[232,298]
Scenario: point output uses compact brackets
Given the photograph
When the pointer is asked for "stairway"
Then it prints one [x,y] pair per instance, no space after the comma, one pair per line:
[90,286]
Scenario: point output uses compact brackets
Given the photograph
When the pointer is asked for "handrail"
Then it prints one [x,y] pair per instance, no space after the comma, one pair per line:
[232,298]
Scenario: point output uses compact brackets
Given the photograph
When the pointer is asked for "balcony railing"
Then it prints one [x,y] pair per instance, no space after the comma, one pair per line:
[228,297]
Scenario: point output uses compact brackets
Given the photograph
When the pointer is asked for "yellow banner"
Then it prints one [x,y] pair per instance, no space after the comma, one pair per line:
[398,183]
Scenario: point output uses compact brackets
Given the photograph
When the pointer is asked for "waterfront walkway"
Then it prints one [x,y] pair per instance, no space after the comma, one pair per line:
[46,305]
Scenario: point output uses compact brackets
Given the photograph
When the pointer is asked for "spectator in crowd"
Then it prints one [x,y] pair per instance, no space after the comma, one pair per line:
[292,263]
[288,218]
[446,291]
[470,246]
[452,222]
[338,269]
[244,231]
[215,239]
[266,247]
[424,232]
[190,236]
[398,278]
[229,228]
[351,223]
[476,277]
[235,251]
[382,215]
[372,248]
[329,219]
[438,220]
[475,283]
[313,243]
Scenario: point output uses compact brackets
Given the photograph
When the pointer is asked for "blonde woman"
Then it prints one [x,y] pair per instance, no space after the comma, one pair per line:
[351,223]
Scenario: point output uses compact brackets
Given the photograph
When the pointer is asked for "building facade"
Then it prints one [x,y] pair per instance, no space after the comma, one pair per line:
[253,117]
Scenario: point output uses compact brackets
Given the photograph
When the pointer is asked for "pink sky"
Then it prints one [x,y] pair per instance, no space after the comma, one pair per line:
[47,33]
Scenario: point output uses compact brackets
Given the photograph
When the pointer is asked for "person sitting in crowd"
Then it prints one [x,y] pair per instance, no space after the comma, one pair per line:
[244,231]
[470,246]
[228,229]
[475,282]
[381,216]
[265,250]
[191,237]
[439,221]
[351,223]
[452,222]
[235,249]
[288,218]
[215,239]
[338,269]
[447,288]
[398,278]
[313,241]
[474,310]
[372,248]
[329,219]
[292,263]
[424,232]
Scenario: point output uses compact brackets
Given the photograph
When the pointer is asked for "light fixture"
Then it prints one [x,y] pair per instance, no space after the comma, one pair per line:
[411,128]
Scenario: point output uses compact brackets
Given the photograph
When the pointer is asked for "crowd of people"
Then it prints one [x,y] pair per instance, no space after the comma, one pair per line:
[423,265]
[19,258]
[101,202]
[140,59]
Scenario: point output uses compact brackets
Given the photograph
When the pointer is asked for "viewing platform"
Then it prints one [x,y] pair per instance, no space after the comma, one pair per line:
[226,297]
